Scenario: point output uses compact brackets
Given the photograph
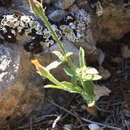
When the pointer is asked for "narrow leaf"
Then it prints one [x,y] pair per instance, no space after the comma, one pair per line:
[69,72]
[60,87]
[91,70]
[82,57]
[73,87]
[88,93]
[69,54]
[58,54]
[92,77]
[61,57]
[64,86]
[44,72]
[53,65]
[89,88]
[36,7]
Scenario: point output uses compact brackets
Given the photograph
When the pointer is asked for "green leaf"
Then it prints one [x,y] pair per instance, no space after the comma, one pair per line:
[60,87]
[82,57]
[89,88]
[44,72]
[91,77]
[88,92]
[67,86]
[58,54]
[70,72]
[69,54]
[36,7]
[91,70]
[73,87]
[90,100]
[53,65]
[61,57]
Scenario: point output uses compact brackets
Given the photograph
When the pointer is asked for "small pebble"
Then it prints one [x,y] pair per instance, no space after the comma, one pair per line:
[57,15]
[63,4]
[94,127]
[84,107]
[47,1]
[104,73]
[68,127]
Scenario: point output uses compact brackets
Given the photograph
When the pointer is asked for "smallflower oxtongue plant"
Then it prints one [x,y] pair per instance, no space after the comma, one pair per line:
[81,75]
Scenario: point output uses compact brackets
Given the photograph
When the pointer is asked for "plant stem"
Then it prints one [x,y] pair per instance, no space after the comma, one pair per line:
[41,14]
[53,33]
[55,37]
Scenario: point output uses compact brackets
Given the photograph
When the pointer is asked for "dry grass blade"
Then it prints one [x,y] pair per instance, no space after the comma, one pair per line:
[56,121]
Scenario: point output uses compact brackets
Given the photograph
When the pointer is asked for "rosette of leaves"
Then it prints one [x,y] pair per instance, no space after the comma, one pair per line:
[81,76]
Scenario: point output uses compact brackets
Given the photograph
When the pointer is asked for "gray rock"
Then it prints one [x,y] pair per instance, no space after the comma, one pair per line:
[9,66]
[47,1]
[5,3]
[21,5]
[68,127]
[69,46]
[57,15]
[63,4]
[18,84]
[113,24]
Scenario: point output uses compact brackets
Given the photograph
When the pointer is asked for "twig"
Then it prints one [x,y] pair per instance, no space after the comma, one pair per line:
[55,121]
[44,117]
[30,124]
[38,120]
[102,110]
[62,108]
[127,123]
[79,120]
[100,124]
[84,119]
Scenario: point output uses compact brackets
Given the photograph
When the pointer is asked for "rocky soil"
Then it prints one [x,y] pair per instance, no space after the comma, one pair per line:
[101,27]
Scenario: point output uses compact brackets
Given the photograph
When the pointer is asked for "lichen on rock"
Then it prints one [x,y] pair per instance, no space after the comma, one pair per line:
[73,28]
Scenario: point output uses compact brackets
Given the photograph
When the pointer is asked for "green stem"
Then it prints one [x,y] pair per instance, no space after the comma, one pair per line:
[54,35]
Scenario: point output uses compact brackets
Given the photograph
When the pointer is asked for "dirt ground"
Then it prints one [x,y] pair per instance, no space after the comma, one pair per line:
[110,113]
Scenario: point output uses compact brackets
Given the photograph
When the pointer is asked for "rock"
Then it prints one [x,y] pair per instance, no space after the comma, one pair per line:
[5,3]
[101,56]
[69,46]
[18,93]
[83,107]
[22,6]
[125,51]
[47,2]
[83,4]
[94,127]
[113,24]
[101,91]
[9,66]
[63,4]
[68,127]
[104,73]
[74,8]
[57,15]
